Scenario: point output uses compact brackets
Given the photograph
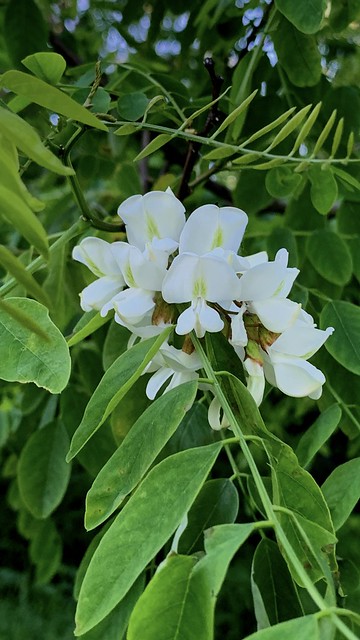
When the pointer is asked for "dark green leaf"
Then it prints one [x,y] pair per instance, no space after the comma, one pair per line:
[274,593]
[319,432]
[342,490]
[132,106]
[306,15]
[43,474]
[324,190]
[46,551]
[217,503]
[330,256]
[344,344]
[18,271]
[282,181]
[24,29]
[298,54]
[16,211]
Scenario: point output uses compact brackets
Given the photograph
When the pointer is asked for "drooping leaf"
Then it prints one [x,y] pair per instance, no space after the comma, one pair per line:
[274,593]
[43,474]
[344,344]
[24,29]
[49,97]
[304,628]
[16,211]
[324,189]
[342,490]
[46,551]
[217,503]
[298,54]
[319,432]
[18,271]
[144,525]
[27,357]
[46,66]
[24,136]
[330,256]
[306,15]
[174,604]
[116,381]
[132,459]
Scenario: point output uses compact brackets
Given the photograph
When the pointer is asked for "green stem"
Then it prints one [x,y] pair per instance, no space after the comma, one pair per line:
[267,504]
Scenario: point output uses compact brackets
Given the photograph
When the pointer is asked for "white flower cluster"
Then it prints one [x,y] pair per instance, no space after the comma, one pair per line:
[171,264]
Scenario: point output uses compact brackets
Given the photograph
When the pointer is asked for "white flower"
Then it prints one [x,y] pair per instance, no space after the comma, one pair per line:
[199,279]
[144,278]
[155,219]
[263,290]
[210,227]
[172,363]
[98,256]
[255,379]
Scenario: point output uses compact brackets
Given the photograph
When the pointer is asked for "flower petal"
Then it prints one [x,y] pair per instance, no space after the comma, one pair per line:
[209,227]
[97,255]
[132,305]
[256,379]
[276,314]
[296,377]
[239,336]
[300,340]
[156,382]
[100,293]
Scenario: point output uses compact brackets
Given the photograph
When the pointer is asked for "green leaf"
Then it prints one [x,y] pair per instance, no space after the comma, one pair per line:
[113,627]
[43,474]
[153,146]
[324,190]
[296,490]
[132,459]
[26,357]
[16,211]
[126,129]
[316,436]
[269,127]
[342,491]
[9,171]
[90,325]
[24,29]
[282,182]
[234,114]
[283,237]
[174,604]
[132,106]
[274,593]
[221,544]
[289,127]
[46,551]
[344,344]
[112,387]
[307,126]
[222,152]
[304,628]
[49,67]
[298,54]
[16,268]
[28,141]
[306,15]
[330,256]
[49,97]
[217,503]
[324,134]
[144,525]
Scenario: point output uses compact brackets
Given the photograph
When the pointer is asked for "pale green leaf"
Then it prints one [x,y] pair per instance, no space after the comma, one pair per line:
[16,268]
[337,137]
[304,628]
[15,210]
[47,66]
[234,114]
[269,127]
[146,522]
[89,326]
[43,474]
[131,460]
[27,357]
[307,126]
[49,97]
[126,129]
[25,138]
[324,134]
[289,127]
[115,383]
[153,146]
